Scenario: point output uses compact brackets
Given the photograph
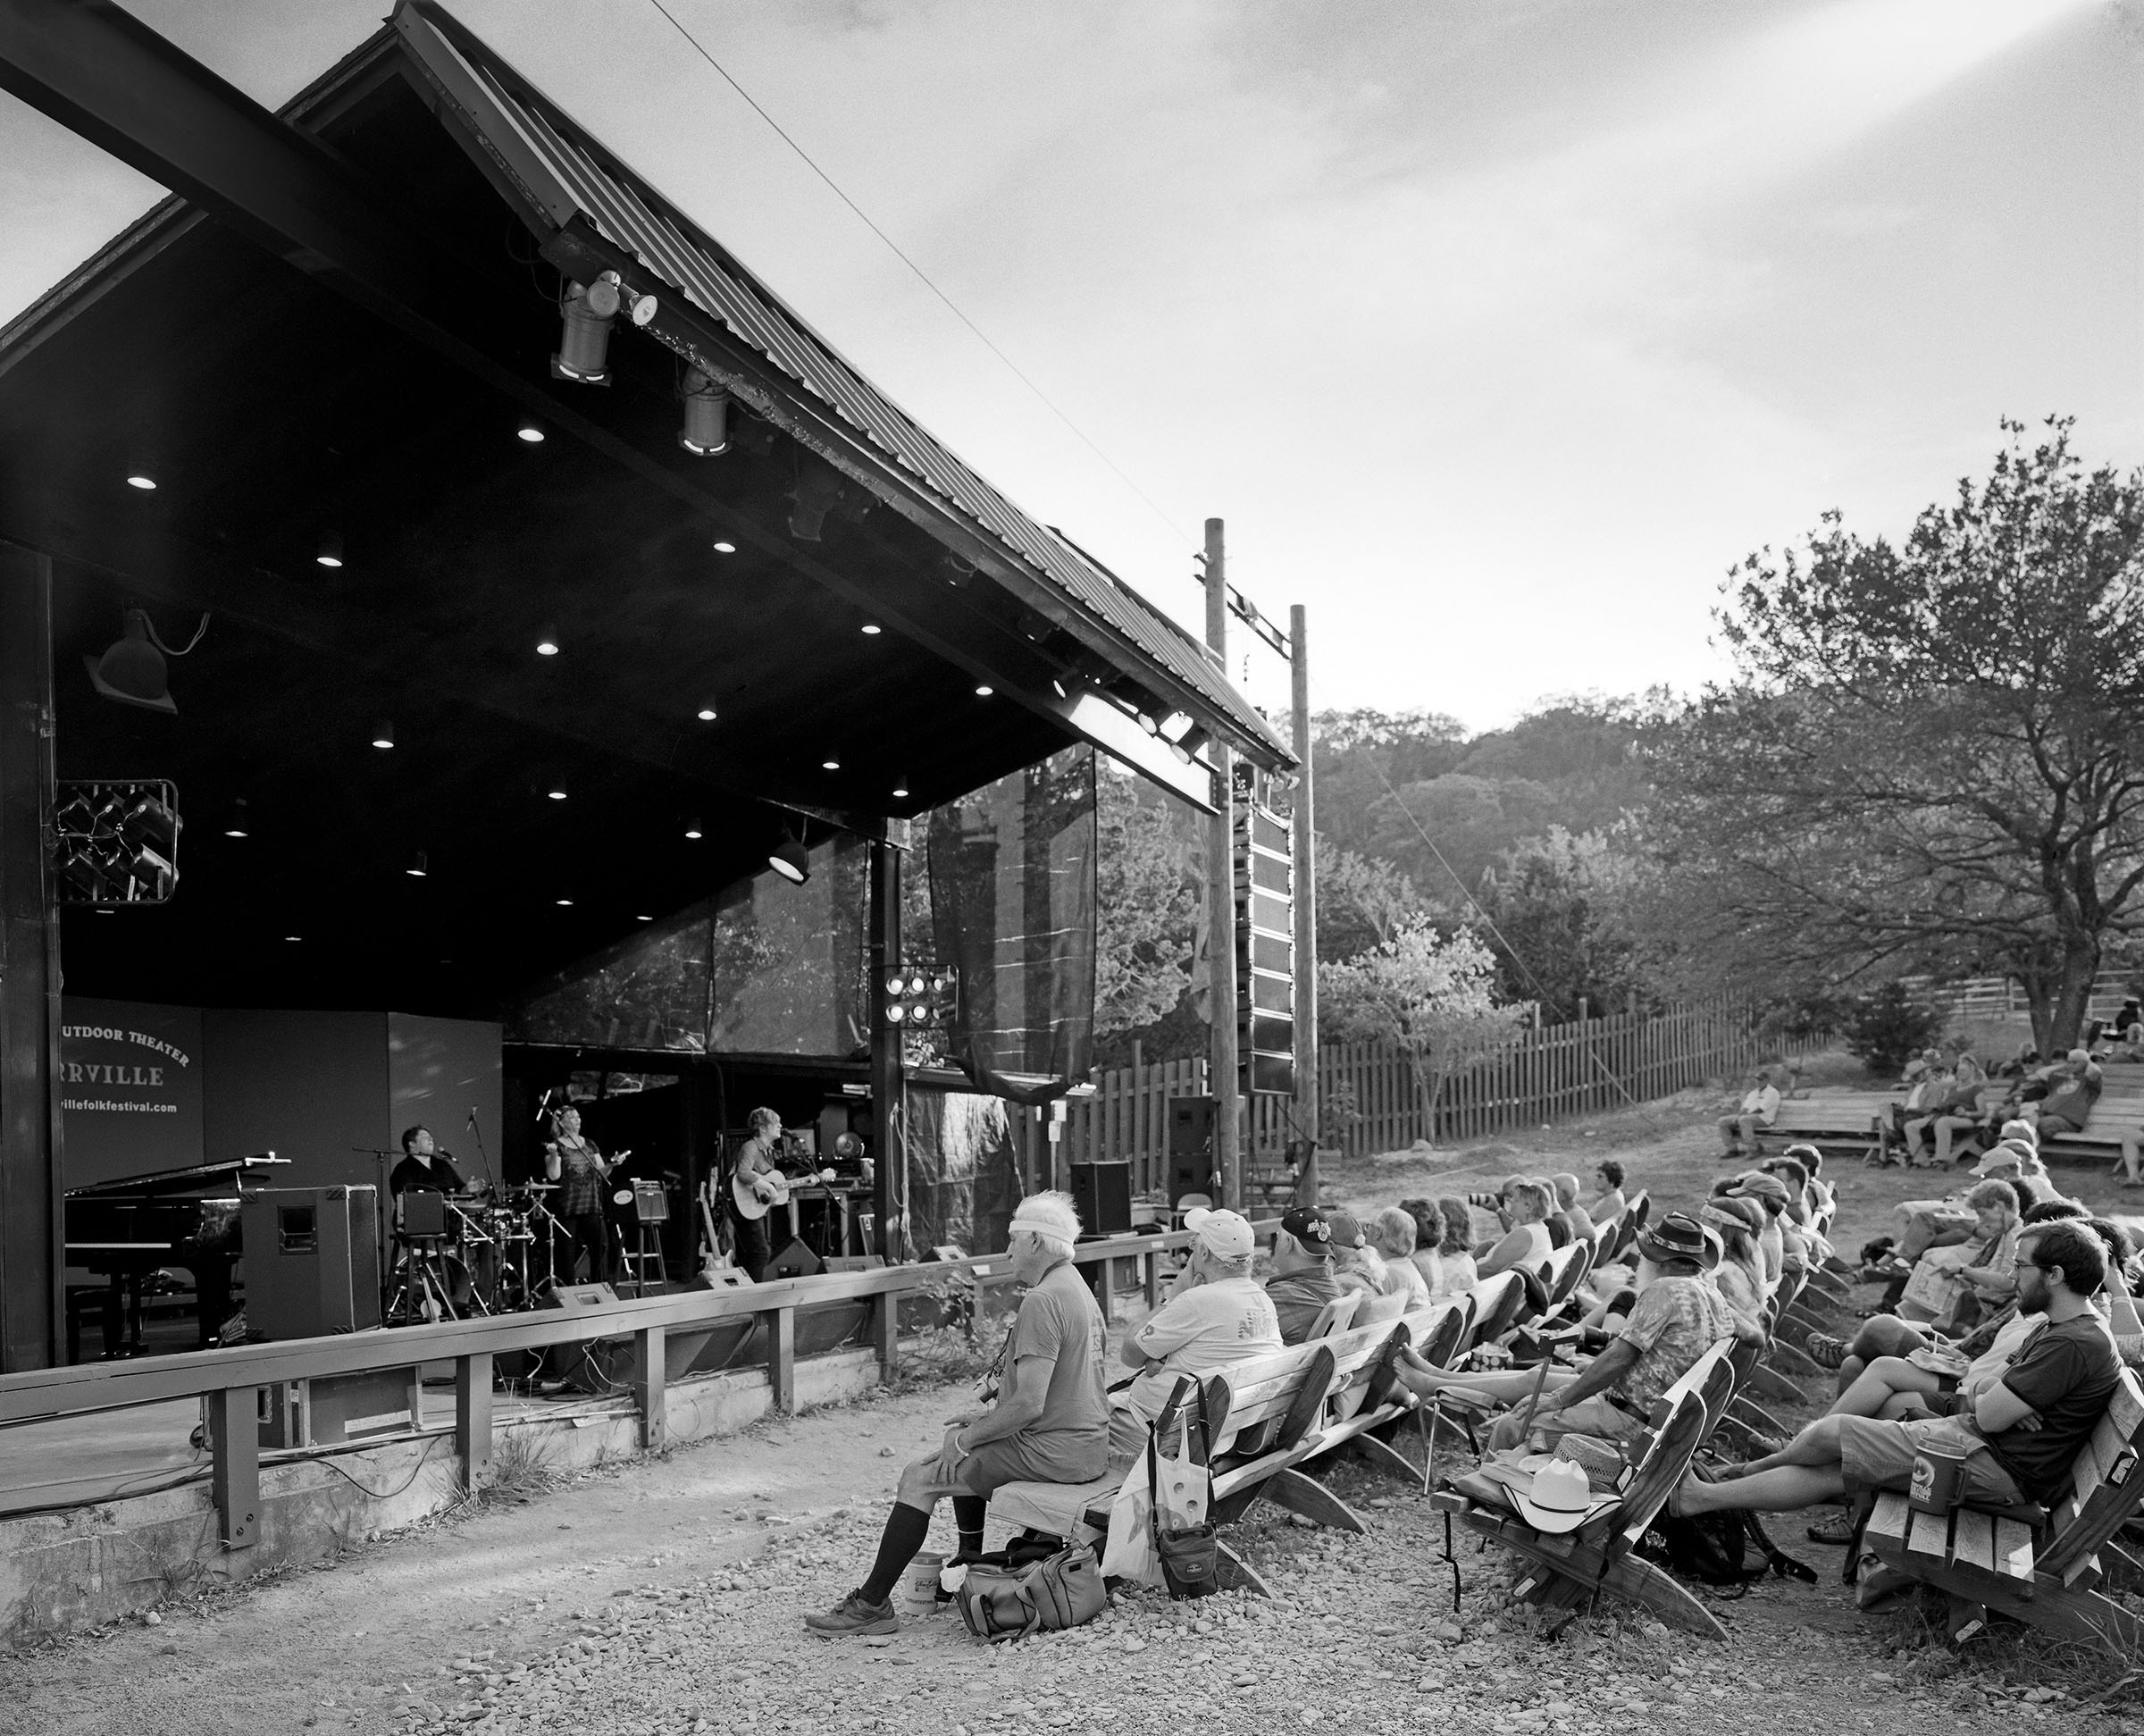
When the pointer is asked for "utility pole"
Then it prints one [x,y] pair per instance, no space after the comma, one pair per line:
[1304,840]
[1220,901]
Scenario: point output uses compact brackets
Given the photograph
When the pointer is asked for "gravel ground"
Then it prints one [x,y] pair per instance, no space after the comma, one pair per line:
[666,1596]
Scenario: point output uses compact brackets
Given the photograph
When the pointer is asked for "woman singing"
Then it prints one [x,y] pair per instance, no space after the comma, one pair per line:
[569,1158]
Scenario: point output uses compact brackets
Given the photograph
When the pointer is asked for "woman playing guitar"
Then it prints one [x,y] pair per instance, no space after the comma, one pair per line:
[755,1186]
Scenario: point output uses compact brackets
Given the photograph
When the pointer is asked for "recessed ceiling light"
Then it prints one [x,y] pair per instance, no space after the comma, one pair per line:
[901,790]
[723,548]
[383,733]
[330,548]
[831,765]
[418,866]
[565,903]
[234,831]
[546,643]
[293,937]
[693,829]
[706,714]
[643,918]
[873,628]
[530,430]
[140,481]
[984,691]
[102,911]
[556,795]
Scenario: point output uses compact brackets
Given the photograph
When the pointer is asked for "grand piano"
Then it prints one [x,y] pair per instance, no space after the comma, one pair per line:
[125,1231]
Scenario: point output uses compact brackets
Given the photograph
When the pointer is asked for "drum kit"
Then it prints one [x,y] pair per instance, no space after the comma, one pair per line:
[465,1255]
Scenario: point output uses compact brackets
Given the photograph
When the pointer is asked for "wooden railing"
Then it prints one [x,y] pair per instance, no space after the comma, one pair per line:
[1547,1074]
[230,1379]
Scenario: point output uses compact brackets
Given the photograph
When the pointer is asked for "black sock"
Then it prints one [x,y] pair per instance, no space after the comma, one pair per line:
[967,1517]
[906,1529]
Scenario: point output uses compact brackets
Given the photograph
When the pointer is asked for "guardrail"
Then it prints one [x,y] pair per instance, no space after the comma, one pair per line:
[230,1379]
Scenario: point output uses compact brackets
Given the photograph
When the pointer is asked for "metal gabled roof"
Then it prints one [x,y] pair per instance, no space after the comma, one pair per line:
[561,173]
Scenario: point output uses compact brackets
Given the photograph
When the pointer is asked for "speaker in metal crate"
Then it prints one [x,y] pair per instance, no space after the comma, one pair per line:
[312,1260]
[1190,1146]
[1103,1194]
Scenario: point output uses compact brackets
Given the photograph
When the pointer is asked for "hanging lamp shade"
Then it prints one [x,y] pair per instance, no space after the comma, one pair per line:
[133,671]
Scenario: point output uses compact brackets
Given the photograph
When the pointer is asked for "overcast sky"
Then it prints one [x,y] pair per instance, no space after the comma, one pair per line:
[1497,331]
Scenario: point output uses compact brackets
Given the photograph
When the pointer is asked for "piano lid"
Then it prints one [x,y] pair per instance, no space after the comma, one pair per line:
[198,1179]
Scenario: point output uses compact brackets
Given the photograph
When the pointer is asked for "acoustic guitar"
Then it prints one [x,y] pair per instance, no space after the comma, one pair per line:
[749,1205]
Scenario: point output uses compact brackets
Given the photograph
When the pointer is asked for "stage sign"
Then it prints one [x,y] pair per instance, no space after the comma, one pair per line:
[129,1088]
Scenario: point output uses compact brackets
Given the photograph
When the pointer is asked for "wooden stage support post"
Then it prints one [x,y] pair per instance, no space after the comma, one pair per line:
[234,1435]
[473,1419]
[32,1272]
[1220,903]
[650,1389]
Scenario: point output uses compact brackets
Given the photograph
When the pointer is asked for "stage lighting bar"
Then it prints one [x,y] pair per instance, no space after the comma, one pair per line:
[116,842]
[921,997]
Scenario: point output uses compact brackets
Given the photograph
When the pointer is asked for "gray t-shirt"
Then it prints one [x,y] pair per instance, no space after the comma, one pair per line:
[1059,1322]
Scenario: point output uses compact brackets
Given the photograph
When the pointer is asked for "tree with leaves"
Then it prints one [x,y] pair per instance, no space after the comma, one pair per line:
[1932,756]
[1553,904]
[1147,903]
[1430,996]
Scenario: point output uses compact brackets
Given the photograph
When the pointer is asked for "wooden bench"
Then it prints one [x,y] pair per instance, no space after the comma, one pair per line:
[2039,1568]
[1277,1413]
[1565,1571]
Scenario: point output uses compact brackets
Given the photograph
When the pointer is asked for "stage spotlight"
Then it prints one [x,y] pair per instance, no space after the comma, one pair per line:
[1186,747]
[1149,725]
[330,548]
[383,733]
[546,643]
[585,340]
[530,430]
[789,858]
[132,671]
[417,867]
[707,427]
[693,829]
[1176,727]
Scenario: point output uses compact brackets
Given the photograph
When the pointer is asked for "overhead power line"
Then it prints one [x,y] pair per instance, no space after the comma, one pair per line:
[922,276]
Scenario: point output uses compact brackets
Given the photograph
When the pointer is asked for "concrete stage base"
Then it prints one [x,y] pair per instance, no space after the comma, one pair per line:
[121,1532]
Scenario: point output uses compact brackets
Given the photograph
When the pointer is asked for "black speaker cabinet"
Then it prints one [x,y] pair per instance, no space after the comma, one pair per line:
[793,1259]
[312,1261]
[1190,1146]
[1103,1194]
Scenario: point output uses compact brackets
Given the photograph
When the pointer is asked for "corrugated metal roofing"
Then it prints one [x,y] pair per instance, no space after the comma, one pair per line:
[533,136]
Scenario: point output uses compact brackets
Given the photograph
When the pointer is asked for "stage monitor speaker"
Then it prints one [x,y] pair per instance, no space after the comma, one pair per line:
[795,1259]
[312,1261]
[572,1296]
[650,1203]
[855,1262]
[1103,1194]
[721,1278]
[1190,1146]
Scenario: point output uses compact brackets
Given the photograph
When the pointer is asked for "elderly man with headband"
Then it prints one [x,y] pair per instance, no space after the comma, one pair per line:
[1049,1421]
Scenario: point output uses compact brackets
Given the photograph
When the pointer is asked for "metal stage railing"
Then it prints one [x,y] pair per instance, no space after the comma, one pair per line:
[230,1379]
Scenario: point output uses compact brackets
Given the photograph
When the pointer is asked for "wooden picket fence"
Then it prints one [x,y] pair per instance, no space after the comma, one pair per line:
[2001,997]
[1537,1076]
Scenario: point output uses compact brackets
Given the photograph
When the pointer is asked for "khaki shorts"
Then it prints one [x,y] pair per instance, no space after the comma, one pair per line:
[996,1463]
[1878,1455]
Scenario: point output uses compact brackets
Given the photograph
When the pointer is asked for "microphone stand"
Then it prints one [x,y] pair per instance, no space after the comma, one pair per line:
[477,1128]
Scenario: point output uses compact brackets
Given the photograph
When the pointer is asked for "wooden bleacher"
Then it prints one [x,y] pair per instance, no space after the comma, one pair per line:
[1846,1121]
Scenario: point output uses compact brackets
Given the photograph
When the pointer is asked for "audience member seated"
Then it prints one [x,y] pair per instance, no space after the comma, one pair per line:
[1676,1318]
[1428,1236]
[1924,1076]
[1569,1210]
[1939,1223]
[1218,1316]
[2019,1435]
[2072,1091]
[1393,1238]
[1771,1194]
[1609,1202]
[1527,1242]
[1741,1132]
[1356,1265]
[1048,1420]
[1302,1280]
[1949,1100]
[1739,1276]
[1456,1253]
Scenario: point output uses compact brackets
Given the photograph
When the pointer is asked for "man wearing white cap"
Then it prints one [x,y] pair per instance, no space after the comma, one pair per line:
[1049,1423]
[1218,1315]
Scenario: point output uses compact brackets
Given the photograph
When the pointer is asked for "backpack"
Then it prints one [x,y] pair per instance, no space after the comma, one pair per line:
[1008,1602]
[1712,1549]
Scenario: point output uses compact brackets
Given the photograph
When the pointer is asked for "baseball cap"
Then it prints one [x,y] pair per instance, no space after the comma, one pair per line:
[1758,1185]
[1309,1226]
[1346,1232]
[1227,1233]
[2007,1155]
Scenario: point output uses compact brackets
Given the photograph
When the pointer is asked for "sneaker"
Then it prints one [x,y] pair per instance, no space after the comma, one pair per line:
[855,1613]
[1824,1350]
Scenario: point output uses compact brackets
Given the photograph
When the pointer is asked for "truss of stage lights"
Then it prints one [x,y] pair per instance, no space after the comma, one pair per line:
[921,997]
[116,841]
